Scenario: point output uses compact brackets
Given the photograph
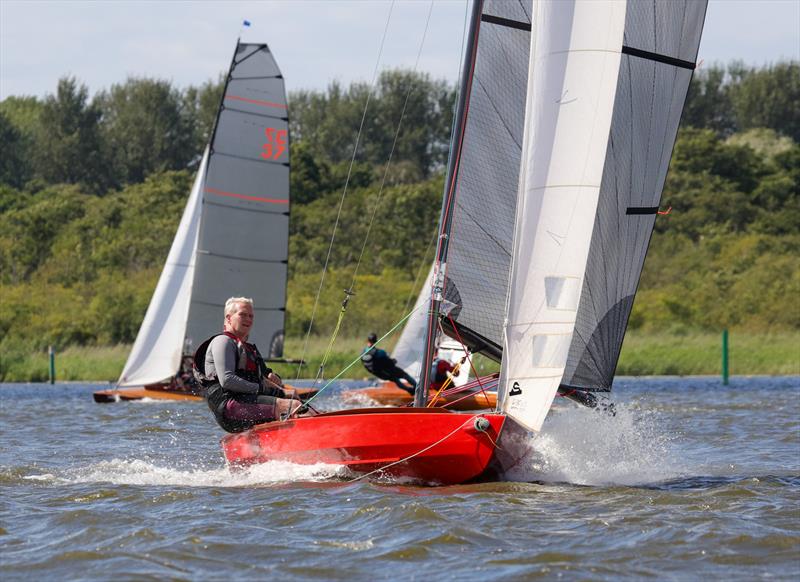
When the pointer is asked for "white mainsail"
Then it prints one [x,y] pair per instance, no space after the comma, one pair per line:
[157,351]
[573,71]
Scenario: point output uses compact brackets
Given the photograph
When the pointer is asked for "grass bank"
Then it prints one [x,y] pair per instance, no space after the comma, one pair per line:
[642,355]
[72,364]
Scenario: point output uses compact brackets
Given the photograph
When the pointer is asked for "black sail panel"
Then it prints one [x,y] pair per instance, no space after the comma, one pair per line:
[660,47]
[242,247]
[479,254]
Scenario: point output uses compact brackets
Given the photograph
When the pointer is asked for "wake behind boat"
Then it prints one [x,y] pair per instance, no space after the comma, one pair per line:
[556,169]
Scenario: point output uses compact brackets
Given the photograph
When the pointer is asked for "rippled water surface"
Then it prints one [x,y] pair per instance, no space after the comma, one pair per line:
[689,480]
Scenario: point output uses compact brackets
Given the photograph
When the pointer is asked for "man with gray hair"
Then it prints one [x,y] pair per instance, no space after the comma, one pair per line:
[241,390]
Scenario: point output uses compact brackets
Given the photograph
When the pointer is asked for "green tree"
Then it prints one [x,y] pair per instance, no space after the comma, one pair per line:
[146,129]
[68,147]
[405,104]
[767,97]
[200,106]
[708,104]
[14,167]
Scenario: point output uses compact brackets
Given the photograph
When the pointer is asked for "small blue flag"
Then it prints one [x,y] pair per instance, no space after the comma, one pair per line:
[246,23]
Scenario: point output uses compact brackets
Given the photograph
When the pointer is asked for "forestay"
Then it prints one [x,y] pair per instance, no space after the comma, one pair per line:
[233,237]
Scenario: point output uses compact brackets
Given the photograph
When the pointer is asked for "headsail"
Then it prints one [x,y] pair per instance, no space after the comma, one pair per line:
[573,75]
[233,236]
[157,351]
[408,351]
[586,229]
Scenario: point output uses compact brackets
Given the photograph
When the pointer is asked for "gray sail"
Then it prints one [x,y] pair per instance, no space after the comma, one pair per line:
[243,240]
[487,176]
[659,53]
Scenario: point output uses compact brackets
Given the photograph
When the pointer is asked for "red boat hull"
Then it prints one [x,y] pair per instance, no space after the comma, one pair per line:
[423,444]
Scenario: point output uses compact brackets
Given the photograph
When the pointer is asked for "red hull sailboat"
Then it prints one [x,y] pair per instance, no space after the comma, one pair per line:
[538,261]
[428,444]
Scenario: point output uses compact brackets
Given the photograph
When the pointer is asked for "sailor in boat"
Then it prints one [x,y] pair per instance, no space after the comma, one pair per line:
[378,362]
[241,390]
[441,370]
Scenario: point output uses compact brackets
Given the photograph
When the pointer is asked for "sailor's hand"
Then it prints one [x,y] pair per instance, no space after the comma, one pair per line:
[275,379]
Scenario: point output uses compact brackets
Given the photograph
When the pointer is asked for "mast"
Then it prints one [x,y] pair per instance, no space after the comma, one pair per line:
[445,222]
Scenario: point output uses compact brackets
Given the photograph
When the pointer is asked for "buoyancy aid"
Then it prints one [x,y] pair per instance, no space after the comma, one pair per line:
[376,361]
[250,366]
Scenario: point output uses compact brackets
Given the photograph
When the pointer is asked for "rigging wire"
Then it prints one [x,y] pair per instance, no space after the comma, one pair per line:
[394,145]
[358,359]
[349,291]
[344,190]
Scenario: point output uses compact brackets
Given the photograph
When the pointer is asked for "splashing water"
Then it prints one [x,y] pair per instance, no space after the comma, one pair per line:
[138,472]
[584,447]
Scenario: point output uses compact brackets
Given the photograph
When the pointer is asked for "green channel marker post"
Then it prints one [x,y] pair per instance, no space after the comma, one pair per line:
[52,353]
[724,357]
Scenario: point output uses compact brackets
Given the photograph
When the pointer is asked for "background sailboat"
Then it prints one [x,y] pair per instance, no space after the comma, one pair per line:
[409,355]
[233,237]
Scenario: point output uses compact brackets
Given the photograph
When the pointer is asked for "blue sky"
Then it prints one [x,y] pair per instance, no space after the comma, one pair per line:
[314,41]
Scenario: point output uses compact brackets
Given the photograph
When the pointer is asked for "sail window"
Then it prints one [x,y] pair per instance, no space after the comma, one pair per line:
[549,351]
[562,292]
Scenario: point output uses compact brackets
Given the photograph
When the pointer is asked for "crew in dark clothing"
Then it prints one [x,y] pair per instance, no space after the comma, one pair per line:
[242,391]
[378,362]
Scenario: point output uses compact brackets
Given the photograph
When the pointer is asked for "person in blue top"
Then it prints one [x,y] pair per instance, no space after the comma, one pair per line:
[378,362]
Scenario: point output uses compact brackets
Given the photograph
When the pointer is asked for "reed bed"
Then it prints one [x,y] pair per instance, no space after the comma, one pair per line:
[642,355]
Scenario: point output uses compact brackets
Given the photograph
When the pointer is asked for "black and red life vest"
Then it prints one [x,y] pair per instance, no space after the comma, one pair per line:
[250,366]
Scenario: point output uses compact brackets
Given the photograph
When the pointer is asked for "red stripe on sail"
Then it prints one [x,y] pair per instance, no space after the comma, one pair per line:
[255,101]
[245,196]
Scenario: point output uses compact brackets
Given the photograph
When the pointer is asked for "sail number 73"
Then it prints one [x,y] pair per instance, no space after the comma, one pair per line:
[275,145]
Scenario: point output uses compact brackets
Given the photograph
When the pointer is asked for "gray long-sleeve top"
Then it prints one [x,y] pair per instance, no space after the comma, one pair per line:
[222,349]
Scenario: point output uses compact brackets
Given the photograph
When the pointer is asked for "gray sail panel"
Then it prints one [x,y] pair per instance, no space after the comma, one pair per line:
[243,242]
[264,242]
[479,253]
[651,91]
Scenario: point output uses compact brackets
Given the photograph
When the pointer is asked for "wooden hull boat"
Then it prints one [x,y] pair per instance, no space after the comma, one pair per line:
[161,393]
[126,394]
[424,444]
[388,394]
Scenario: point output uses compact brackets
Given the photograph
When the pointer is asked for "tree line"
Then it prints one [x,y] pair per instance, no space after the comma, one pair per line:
[92,189]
